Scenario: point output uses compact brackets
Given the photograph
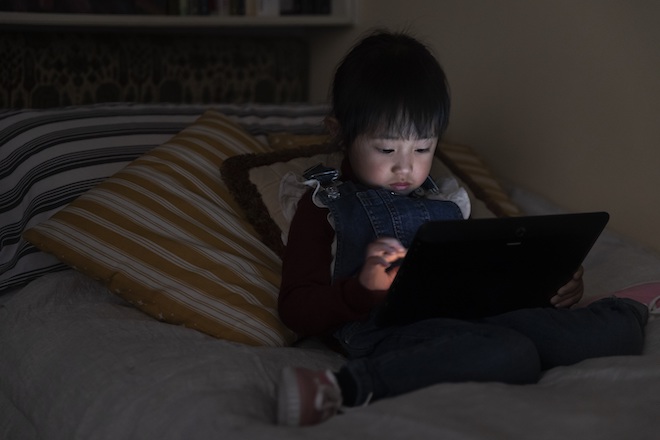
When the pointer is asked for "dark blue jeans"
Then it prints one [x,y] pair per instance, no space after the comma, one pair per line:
[514,347]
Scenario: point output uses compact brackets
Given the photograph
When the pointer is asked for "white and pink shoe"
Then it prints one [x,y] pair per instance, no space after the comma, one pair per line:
[647,294]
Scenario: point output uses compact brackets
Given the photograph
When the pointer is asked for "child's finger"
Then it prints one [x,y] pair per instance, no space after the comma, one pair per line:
[386,249]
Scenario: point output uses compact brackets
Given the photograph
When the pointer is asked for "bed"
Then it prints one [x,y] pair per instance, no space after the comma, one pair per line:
[141,233]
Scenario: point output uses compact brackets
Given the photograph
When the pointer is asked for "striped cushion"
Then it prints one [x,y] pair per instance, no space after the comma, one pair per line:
[165,235]
[49,157]
[466,164]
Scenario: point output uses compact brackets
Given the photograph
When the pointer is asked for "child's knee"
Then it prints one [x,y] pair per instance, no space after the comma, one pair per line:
[519,361]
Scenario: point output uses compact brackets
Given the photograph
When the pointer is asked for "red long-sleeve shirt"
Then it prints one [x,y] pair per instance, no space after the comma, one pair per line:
[309,303]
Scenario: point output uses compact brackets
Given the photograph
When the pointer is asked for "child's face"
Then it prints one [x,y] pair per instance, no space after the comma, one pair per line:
[399,165]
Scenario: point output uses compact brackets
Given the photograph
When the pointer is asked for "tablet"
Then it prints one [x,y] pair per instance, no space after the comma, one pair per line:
[469,269]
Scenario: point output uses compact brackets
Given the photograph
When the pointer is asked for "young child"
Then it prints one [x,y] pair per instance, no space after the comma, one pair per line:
[390,105]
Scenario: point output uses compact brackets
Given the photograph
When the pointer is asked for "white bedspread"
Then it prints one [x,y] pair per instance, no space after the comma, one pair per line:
[76,362]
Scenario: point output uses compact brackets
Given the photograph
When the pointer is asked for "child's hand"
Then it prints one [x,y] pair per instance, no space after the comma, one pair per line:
[571,292]
[380,255]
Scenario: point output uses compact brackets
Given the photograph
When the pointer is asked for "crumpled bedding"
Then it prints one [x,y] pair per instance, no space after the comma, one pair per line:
[76,362]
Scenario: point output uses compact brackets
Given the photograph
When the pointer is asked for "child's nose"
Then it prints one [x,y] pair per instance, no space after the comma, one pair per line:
[402,165]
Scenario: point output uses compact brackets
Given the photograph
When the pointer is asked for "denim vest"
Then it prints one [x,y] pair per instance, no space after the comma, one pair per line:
[360,215]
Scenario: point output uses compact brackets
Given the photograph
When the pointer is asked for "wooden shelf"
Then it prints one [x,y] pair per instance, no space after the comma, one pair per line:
[343,14]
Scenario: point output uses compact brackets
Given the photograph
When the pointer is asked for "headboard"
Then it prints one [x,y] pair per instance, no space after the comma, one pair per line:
[52,69]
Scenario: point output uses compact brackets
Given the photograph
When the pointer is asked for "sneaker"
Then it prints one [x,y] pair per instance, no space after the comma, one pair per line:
[307,397]
[654,307]
[647,294]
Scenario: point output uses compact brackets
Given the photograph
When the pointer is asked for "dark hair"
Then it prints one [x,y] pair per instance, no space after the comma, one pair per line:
[390,84]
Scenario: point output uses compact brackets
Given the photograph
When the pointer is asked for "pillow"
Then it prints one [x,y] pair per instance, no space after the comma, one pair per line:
[50,157]
[165,234]
[254,181]
[468,166]
[259,198]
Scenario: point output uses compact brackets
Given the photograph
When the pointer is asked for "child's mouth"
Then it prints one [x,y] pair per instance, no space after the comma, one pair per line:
[400,187]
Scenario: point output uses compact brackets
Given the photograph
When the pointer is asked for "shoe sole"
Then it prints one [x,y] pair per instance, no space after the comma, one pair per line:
[288,399]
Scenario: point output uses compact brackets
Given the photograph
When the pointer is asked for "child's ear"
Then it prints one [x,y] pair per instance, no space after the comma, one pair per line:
[332,125]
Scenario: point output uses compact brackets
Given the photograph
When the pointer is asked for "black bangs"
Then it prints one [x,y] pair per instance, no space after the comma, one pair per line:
[390,86]
[403,104]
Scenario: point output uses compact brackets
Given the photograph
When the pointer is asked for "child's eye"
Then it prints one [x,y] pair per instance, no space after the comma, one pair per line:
[423,150]
[386,150]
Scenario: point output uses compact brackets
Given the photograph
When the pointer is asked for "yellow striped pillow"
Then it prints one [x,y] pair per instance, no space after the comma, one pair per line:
[165,234]
[467,165]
